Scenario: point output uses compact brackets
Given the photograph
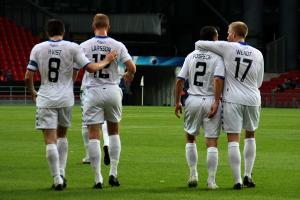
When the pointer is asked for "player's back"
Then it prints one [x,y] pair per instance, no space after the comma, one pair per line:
[96,49]
[202,67]
[55,60]
[244,73]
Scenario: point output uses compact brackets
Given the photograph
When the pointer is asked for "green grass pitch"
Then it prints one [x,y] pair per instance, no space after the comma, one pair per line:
[152,164]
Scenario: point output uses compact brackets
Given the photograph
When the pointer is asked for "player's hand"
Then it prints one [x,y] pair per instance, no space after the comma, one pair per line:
[178,109]
[111,56]
[213,109]
[128,77]
[33,96]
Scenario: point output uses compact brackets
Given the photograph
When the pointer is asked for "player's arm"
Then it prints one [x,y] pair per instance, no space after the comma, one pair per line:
[93,67]
[218,88]
[130,71]
[29,84]
[178,92]
[75,74]
[218,47]
[219,74]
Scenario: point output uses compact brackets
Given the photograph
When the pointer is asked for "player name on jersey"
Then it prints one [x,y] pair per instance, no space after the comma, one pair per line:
[100,48]
[202,56]
[243,52]
[54,52]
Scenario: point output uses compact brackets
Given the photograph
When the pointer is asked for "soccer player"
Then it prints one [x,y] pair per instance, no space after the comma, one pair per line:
[84,130]
[104,97]
[205,72]
[244,69]
[54,60]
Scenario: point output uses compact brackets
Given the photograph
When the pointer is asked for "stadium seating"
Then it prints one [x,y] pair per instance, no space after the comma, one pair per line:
[286,98]
[15,45]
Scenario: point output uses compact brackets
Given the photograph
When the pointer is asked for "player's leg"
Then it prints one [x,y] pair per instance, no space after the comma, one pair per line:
[192,122]
[93,116]
[106,158]
[84,129]
[46,120]
[191,155]
[251,118]
[114,152]
[232,121]
[95,153]
[234,157]
[62,147]
[249,158]
[212,127]
[64,121]
[212,162]
[85,137]
[53,157]
[113,113]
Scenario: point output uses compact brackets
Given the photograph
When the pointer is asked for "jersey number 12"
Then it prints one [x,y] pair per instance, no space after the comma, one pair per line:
[99,73]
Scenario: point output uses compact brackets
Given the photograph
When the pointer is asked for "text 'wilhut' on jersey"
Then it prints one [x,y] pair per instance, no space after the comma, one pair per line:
[243,52]
[101,48]
[54,52]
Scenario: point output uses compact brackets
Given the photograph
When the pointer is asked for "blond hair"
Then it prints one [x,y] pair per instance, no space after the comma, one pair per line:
[100,21]
[239,28]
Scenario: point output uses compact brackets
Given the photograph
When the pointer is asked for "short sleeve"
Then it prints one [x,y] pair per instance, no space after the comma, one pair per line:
[33,60]
[124,55]
[220,68]
[80,59]
[184,72]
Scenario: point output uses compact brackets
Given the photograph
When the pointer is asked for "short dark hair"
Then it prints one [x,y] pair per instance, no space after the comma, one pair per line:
[208,33]
[55,27]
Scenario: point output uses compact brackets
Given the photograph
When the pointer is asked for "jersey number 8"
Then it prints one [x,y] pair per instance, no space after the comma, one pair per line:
[53,66]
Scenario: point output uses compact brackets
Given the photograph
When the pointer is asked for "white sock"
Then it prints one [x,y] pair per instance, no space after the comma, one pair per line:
[114,151]
[249,155]
[191,155]
[53,159]
[85,137]
[95,158]
[62,147]
[212,164]
[234,157]
[105,134]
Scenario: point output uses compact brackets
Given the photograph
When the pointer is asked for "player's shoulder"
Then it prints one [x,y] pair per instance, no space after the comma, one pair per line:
[115,42]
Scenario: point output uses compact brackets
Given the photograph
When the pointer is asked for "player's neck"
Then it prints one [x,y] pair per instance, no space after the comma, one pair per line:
[100,32]
[56,38]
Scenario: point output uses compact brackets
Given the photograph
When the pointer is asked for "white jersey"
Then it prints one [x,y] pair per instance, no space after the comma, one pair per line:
[96,49]
[55,60]
[244,69]
[199,68]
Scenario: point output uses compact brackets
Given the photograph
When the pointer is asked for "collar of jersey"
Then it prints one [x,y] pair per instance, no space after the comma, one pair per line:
[55,40]
[99,36]
[243,43]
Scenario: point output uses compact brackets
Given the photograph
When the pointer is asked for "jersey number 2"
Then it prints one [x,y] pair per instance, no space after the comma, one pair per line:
[53,66]
[199,73]
[99,73]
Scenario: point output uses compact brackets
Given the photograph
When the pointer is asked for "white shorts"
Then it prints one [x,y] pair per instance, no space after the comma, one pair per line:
[50,118]
[237,117]
[195,116]
[82,101]
[102,103]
